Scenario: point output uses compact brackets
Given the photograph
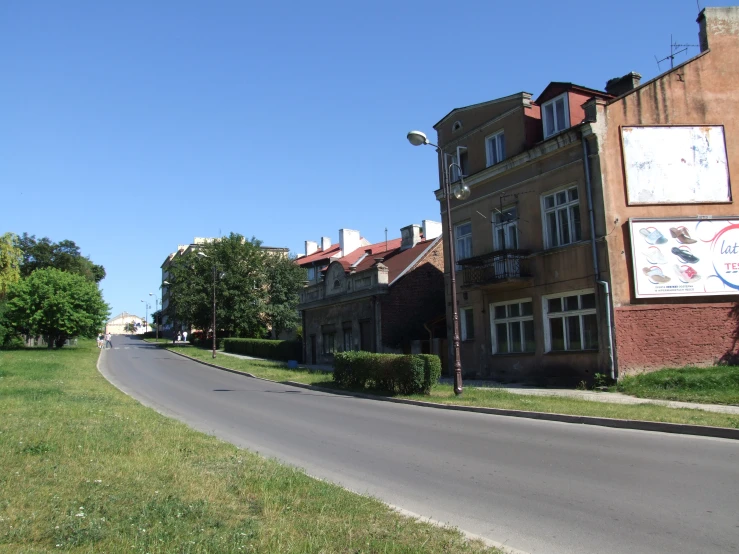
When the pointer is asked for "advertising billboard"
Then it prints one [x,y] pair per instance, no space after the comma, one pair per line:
[685,257]
[675,164]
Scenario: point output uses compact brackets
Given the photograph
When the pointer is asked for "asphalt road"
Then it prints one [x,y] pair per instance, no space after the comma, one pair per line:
[537,486]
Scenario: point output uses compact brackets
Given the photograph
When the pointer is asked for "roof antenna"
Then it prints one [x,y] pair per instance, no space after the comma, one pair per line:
[675,49]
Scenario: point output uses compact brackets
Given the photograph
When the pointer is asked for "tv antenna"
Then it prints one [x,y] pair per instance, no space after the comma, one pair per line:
[675,49]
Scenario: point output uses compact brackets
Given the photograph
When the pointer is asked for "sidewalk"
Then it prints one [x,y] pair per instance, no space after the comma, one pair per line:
[594,396]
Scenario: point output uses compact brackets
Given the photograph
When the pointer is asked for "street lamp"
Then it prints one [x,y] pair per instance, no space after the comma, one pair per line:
[204,255]
[174,309]
[159,316]
[146,321]
[461,192]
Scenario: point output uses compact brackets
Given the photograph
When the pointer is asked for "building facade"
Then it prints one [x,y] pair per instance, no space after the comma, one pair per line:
[557,278]
[372,297]
[118,325]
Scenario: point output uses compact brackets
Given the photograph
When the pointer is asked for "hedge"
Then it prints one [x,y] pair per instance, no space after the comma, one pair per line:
[284,350]
[206,342]
[394,373]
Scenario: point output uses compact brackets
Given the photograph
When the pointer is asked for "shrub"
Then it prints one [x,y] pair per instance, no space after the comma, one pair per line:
[394,373]
[206,342]
[284,350]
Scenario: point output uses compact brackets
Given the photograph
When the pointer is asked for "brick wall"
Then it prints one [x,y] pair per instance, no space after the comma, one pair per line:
[675,335]
[415,299]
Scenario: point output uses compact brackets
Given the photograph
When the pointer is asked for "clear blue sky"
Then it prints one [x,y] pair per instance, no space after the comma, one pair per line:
[133,126]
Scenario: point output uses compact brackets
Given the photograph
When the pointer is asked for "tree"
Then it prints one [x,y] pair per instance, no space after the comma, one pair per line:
[284,280]
[55,304]
[10,262]
[64,255]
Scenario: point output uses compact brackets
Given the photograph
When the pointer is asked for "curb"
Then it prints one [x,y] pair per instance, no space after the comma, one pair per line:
[660,427]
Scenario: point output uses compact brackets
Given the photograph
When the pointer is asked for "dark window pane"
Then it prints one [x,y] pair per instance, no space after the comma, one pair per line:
[552,229]
[561,197]
[469,324]
[587,301]
[516,337]
[527,308]
[555,305]
[528,336]
[572,193]
[501,335]
[561,119]
[564,223]
[549,118]
[500,312]
[573,332]
[514,310]
[557,334]
[549,201]
[570,303]
[590,331]
[576,231]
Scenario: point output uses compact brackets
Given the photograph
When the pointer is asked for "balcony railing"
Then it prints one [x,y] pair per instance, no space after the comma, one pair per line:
[498,266]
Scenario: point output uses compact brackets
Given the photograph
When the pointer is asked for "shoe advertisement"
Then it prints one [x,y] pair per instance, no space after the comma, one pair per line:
[686,257]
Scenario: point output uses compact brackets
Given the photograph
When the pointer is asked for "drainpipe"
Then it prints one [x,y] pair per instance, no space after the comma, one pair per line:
[596,268]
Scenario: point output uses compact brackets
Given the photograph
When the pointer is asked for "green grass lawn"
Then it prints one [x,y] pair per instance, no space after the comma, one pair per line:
[86,469]
[713,385]
[487,397]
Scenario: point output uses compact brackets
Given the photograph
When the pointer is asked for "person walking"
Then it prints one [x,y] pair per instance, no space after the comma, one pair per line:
[179,336]
[184,336]
[100,340]
[107,340]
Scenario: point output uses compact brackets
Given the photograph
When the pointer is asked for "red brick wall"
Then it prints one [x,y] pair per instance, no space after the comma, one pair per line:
[415,299]
[674,335]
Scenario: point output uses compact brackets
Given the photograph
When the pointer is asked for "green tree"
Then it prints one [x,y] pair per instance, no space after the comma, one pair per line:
[55,304]
[11,257]
[284,280]
[64,255]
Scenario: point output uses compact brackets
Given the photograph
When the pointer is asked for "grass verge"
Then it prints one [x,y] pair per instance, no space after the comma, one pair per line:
[489,398]
[712,385]
[86,469]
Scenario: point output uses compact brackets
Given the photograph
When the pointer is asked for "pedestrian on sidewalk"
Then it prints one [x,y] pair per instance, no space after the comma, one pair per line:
[184,336]
[107,340]
[100,340]
[179,336]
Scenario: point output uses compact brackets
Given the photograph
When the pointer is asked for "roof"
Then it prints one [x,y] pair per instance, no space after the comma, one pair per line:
[481,104]
[396,261]
[319,255]
[555,88]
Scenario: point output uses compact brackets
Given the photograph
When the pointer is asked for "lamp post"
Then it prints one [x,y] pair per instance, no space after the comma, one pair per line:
[461,192]
[156,304]
[174,309]
[204,255]
[146,321]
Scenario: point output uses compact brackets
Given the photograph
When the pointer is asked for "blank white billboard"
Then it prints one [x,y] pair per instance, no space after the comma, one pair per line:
[675,165]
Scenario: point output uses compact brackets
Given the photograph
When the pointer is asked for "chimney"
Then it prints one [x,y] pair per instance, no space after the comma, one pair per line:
[349,241]
[622,85]
[431,229]
[325,243]
[716,25]
[310,247]
[410,236]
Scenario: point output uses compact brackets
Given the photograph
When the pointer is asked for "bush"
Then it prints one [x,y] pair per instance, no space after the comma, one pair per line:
[283,350]
[394,373]
[206,342]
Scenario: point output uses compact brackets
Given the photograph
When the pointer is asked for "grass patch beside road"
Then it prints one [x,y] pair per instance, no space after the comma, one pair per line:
[712,385]
[485,397]
[87,469]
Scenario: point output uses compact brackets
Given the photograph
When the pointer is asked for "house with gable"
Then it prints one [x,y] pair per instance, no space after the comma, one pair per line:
[378,297]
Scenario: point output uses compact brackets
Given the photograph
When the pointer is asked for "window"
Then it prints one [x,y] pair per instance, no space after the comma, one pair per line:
[462,241]
[311,274]
[570,322]
[495,148]
[337,284]
[512,327]
[562,217]
[556,115]
[466,324]
[455,162]
[348,337]
[505,229]
[328,343]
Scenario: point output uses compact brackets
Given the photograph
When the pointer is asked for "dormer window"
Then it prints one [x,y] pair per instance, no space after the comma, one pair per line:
[556,115]
[457,126]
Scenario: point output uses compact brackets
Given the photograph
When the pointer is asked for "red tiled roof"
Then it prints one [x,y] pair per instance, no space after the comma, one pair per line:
[396,260]
[319,255]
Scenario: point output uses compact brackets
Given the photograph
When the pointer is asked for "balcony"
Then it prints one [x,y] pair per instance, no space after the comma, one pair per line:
[497,267]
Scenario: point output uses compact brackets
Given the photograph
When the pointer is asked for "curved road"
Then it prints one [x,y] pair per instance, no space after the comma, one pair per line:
[536,486]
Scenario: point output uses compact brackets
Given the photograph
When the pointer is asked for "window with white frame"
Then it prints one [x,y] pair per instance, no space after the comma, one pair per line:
[570,322]
[467,324]
[505,229]
[457,164]
[561,211]
[556,115]
[462,241]
[512,327]
[495,148]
